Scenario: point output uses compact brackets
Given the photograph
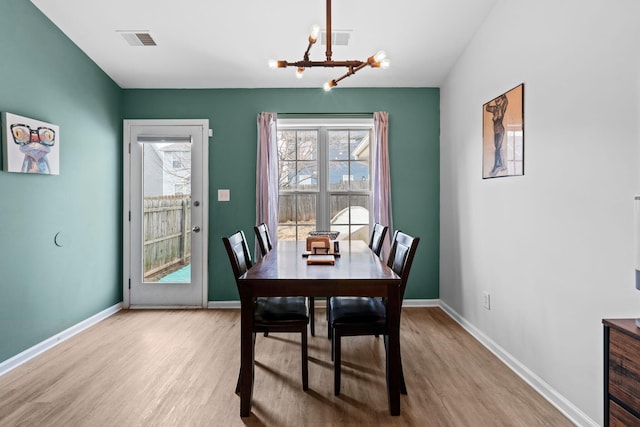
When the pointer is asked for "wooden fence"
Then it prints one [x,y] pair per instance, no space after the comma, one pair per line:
[306,203]
[167,234]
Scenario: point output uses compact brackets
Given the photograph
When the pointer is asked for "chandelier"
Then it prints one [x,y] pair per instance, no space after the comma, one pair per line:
[379,60]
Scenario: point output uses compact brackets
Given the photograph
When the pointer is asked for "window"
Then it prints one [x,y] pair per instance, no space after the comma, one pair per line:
[324,178]
[177,169]
[176,163]
[182,189]
[179,160]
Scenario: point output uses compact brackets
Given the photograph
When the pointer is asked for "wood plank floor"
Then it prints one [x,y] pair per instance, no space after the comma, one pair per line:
[179,368]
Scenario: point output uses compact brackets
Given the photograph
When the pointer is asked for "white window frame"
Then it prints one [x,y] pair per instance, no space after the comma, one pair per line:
[323,126]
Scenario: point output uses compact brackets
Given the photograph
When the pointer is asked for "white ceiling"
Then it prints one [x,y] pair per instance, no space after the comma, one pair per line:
[227,43]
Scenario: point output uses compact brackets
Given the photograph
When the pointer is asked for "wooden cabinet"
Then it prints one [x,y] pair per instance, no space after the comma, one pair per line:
[621,372]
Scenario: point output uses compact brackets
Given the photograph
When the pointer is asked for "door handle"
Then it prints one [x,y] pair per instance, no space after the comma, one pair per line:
[196,229]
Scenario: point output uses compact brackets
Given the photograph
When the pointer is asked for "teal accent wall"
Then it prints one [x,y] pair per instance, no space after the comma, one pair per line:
[414,132]
[45,289]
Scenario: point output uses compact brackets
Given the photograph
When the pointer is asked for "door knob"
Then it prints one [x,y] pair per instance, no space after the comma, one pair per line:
[196,229]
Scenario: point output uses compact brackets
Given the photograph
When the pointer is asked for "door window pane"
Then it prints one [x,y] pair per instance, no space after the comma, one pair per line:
[166,212]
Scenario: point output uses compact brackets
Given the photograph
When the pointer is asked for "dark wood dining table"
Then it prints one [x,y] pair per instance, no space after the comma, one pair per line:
[284,272]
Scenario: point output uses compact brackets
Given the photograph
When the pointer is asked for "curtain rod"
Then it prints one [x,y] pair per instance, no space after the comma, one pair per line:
[338,115]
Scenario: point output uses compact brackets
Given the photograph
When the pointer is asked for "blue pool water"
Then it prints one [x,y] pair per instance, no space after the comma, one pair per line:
[181,276]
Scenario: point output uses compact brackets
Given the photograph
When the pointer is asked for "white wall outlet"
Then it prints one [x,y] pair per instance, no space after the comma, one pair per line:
[486,300]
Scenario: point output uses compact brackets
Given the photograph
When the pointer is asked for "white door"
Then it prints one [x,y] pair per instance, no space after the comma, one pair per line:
[165,213]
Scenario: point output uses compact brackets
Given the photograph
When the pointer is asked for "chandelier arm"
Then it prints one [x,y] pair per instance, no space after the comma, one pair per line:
[331,64]
[312,41]
[306,53]
[352,71]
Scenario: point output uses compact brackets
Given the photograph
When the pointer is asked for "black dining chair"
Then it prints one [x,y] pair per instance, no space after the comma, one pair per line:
[377,238]
[264,242]
[375,244]
[272,314]
[355,316]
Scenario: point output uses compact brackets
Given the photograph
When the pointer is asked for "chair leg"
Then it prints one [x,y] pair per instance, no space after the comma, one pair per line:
[238,383]
[305,361]
[336,362]
[332,338]
[329,326]
[328,316]
[403,385]
[312,321]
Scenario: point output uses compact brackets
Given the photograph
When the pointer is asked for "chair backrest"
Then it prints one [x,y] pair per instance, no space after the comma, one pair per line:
[377,238]
[403,249]
[238,252]
[264,241]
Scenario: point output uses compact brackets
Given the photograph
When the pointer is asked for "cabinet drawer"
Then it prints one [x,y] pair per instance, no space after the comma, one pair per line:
[619,417]
[624,368]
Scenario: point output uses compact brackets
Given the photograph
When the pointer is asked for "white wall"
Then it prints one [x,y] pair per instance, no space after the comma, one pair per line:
[553,247]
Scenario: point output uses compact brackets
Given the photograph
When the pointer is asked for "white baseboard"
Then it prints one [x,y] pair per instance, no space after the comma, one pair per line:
[51,342]
[421,303]
[571,411]
[223,304]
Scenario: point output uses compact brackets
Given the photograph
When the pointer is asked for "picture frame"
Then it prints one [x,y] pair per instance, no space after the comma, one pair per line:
[29,145]
[503,134]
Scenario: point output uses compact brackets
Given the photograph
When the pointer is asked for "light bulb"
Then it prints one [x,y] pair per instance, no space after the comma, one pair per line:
[273,64]
[299,72]
[385,63]
[380,56]
[315,30]
[328,85]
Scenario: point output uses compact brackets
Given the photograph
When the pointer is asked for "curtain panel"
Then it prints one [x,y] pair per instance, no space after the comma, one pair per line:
[267,177]
[381,176]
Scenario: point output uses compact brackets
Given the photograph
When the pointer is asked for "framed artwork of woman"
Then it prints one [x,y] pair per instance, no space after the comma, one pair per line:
[503,134]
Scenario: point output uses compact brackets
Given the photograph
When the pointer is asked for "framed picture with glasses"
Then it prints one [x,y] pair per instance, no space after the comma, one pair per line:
[30,146]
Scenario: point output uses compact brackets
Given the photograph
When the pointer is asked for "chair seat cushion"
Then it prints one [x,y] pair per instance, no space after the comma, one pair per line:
[356,310]
[275,309]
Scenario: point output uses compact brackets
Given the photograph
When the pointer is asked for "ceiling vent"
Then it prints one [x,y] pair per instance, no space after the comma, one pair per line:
[338,37]
[138,38]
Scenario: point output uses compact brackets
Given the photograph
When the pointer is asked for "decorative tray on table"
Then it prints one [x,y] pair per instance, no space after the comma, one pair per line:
[333,235]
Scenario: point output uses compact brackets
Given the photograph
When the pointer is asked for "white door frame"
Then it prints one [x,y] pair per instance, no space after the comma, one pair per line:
[126,266]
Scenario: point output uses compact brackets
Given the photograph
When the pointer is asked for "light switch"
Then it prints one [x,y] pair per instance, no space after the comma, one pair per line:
[224,195]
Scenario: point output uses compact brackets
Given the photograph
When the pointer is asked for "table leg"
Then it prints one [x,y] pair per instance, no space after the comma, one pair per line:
[246,354]
[393,349]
